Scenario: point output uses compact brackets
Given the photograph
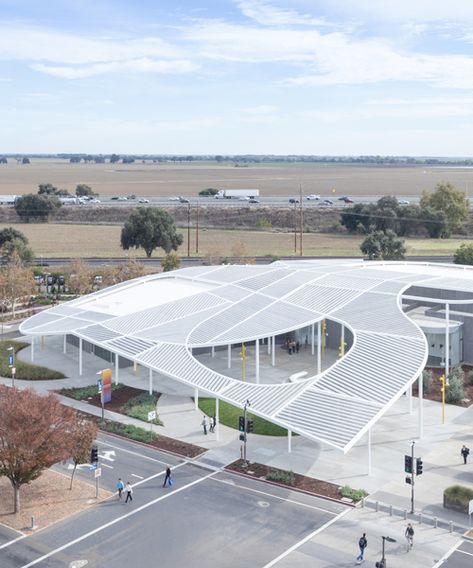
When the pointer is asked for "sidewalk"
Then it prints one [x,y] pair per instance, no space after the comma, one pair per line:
[391,437]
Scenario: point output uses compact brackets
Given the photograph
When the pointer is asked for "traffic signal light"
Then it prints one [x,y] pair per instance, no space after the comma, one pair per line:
[249,426]
[419,466]
[243,437]
[94,455]
[408,464]
[409,480]
[241,423]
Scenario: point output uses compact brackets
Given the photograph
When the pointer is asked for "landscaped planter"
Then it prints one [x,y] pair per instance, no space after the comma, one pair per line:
[457,498]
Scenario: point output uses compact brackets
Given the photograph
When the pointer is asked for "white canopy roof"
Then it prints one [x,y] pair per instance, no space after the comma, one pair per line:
[157,319]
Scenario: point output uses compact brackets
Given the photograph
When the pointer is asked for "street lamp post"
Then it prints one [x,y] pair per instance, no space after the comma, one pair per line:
[382,562]
[11,363]
[247,403]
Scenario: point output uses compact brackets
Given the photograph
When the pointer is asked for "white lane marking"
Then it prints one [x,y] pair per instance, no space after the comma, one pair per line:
[304,540]
[107,455]
[276,496]
[138,476]
[465,552]
[133,453]
[106,465]
[10,542]
[448,554]
[115,521]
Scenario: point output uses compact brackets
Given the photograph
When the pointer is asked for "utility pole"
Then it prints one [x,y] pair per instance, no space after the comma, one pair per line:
[247,403]
[188,229]
[197,230]
[295,227]
[302,219]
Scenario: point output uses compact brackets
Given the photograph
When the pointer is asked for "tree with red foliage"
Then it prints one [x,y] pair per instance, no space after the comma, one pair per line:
[35,432]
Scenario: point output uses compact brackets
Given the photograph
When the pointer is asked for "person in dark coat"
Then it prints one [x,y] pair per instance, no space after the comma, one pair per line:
[362,543]
[465,452]
[167,478]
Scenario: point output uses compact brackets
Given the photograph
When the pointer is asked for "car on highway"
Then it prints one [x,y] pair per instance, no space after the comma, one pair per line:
[183,200]
[312,197]
[143,200]
[326,202]
[346,199]
[175,198]
[253,200]
[404,202]
[95,201]
[114,198]
[122,198]
[293,200]
[244,198]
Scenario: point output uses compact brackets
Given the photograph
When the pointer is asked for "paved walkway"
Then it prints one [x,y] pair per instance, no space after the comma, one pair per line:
[391,436]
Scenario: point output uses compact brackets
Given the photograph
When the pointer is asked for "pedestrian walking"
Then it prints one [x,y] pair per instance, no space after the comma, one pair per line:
[409,534]
[362,543]
[204,425]
[298,346]
[120,487]
[212,423]
[465,452]
[167,478]
[129,492]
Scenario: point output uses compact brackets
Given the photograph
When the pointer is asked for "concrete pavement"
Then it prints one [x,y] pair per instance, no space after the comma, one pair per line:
[391,437]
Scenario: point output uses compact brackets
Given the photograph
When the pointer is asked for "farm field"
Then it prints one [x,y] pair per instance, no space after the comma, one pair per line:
[167,179]
[102,241]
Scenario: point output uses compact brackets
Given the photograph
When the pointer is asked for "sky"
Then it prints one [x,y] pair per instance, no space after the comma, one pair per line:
[324,77]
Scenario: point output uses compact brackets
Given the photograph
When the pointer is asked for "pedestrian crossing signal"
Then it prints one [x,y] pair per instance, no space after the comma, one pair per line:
[249,426]
[241,423]
[408,464]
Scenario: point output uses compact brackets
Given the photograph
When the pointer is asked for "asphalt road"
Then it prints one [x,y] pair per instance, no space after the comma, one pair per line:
[208,517]
[461,557]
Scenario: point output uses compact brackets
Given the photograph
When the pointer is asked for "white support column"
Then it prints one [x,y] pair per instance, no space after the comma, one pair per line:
[289,441]
[312,338]
[32,348]
[268,341]
[117,367]
[421,405]
[342,340]
[409,396]
[273,352]
[213,351]
[229,356]
[64,345]
[151,381]
[369,451]
[196,399]
[80,356]
[447,341]
[319,347]
[257,361]
[217,420]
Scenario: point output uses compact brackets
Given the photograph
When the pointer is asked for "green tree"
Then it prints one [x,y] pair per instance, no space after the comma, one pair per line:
[36,207]
[16,247]
[47,189]
[379,245]
[209,191]
[25,160]
[452,202]
[83,190]
[150,228]
[170,262]
[463,254]
[11,234]
[356,219]
[114,158]
[455,390]
[435,222]
[3,160]
[409,220]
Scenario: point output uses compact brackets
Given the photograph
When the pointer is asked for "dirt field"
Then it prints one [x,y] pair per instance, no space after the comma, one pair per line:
[188,179]
[86,241]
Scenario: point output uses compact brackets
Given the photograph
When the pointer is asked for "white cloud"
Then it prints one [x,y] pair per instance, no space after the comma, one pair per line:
[260,110]
[144,65]
[268,15]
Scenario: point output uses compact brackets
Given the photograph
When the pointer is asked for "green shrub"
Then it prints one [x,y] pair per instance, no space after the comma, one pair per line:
[470,378]
[83,393]
[139,406]
[457,497]
[281,476]
[353,494]
[427,381]
[455,391]
[264,223]
[129,431]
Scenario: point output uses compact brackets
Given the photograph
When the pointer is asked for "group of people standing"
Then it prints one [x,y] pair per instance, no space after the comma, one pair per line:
[212,423]
[292,346]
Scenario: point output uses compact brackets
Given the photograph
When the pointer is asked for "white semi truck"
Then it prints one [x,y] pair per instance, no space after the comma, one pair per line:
[237,193]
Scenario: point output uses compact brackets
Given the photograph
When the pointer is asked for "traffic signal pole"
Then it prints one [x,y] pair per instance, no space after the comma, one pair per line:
[246,429]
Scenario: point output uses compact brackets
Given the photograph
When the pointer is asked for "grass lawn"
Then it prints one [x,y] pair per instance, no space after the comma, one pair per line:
[228,416]
[78,241]
[24,371]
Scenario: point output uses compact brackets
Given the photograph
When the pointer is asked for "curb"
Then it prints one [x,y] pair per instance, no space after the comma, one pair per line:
[288,487]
